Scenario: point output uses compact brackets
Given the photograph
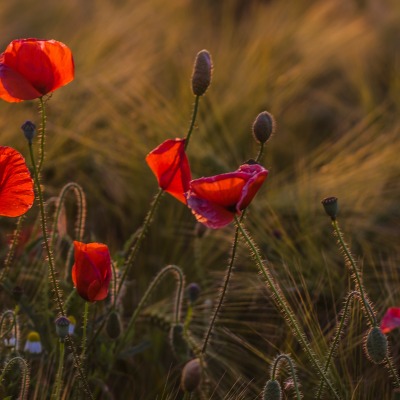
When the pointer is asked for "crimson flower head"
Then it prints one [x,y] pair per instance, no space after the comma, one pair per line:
[216,200]
[390,320]
[16,185]
[170,165]
[31,68]
[91,272]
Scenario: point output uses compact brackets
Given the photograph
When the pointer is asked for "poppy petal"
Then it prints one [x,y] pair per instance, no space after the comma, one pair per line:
[16,185]
[170,165]
[390,320]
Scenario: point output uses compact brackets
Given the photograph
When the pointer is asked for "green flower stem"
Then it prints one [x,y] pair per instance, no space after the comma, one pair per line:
[284,307]
[193,120]
[178,300]
[349,260]
[136,246]
[84,333]
[11,248]
[50,258]
[228,273]
[42,133]
[354,272]
[278,360]
[23,393]
[58,382]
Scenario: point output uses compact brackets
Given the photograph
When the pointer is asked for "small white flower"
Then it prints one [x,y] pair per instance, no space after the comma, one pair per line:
[33,344]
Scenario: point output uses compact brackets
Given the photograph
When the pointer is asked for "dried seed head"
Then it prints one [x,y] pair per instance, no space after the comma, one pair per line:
[191,376]
[62,327]
[331,206]
[201,77]
[376,345]
[272,390]
[29,129]
[263,127]
[114,326]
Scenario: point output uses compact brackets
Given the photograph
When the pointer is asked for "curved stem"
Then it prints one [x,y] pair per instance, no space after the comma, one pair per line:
[284,307]
[23,393]
[50,258]
[193,120]
[278,360]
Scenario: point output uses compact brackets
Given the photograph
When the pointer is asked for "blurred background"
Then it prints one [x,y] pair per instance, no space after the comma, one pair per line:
[327,70]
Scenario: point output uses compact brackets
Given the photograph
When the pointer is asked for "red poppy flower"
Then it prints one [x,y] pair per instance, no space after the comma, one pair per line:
[16,185]
[216,200]
[91,272]
[390,320]
[31,68]
[170,165]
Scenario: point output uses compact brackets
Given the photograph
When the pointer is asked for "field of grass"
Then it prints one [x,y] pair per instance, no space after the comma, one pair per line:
[329,72]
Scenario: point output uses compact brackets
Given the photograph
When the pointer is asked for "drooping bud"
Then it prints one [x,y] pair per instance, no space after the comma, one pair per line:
[272,390]
[263,127]
[376,345]
[201,77]
[191,376]
[331,206]
[193,292]
[114,326]
[62,327]
[29,129]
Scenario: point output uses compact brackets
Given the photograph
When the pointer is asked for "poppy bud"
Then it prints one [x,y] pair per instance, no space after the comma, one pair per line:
[191,376]
[331,206]
[263,127]
[201,77]
[193,291]
[62,327]
[29,129]
[272,390]
[376,345]
[113,327]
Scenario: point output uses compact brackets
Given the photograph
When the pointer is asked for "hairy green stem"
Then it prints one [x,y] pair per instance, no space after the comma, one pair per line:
[84,333]
[58,382]
[193,120]
[278,360]
[284,307]
[23,393]
[42,133]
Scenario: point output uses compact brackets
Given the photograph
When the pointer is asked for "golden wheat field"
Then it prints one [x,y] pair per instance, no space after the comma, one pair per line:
[329,73]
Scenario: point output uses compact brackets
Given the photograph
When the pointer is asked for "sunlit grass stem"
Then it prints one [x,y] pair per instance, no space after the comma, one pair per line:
[284,307]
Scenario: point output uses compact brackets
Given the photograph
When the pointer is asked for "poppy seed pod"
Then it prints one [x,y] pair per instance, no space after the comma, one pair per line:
[29,130]
[62,327]
[263,127]
[272,390]
[191,376]
[201,77]
[331,206]
[376,345]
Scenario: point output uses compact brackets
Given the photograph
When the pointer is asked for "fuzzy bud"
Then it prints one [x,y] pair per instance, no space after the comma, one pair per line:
[191,376]
[114,326]
[272,390]
[62,327]
[331,206]
[263,127]
[376,345]
[201,77]
[193,292]
[29,129]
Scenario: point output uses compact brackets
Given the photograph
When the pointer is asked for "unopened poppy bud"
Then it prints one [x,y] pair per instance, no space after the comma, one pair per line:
[62,327]
[331,206]
[191,376]
[29,129]
[376,345]
[263,127]
[272,390]
[201,77]
[113,327]
[17,293]
[193,291]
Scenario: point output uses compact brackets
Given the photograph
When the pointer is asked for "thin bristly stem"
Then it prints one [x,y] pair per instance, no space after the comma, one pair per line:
[42,133]
[193,120]
[50,258]
[23,393]
[284,307]
[278,360]
[58,382]
[84,333]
